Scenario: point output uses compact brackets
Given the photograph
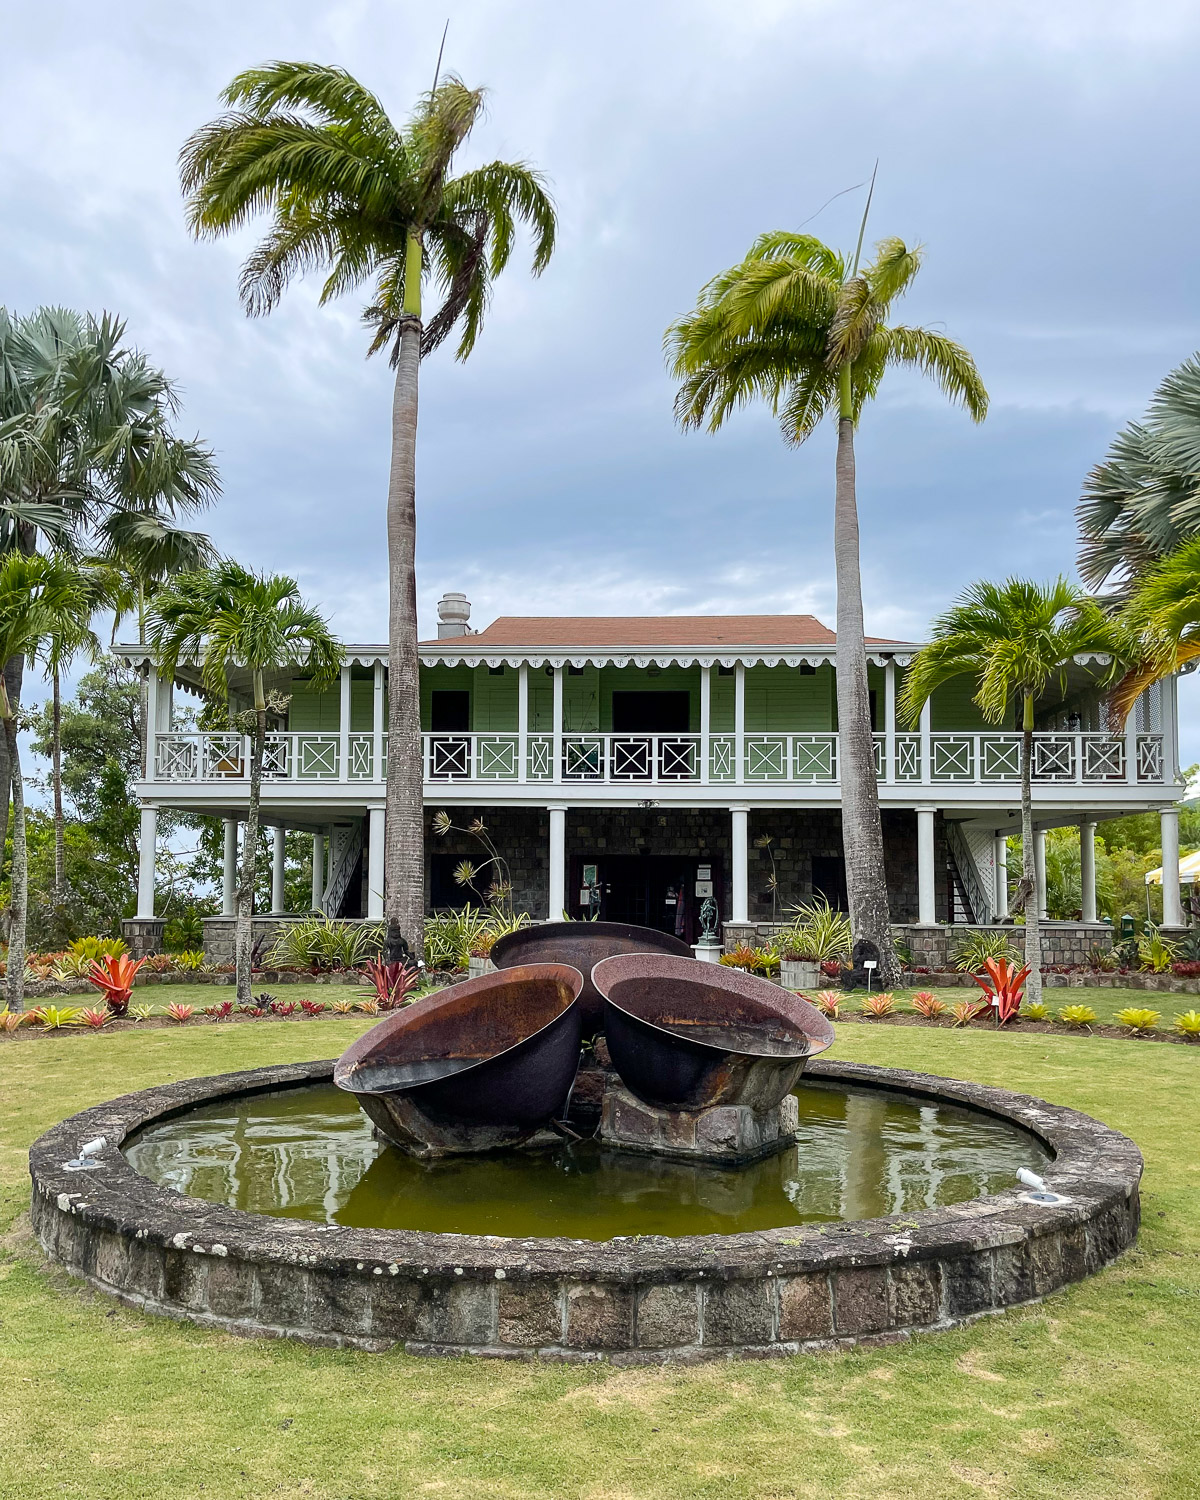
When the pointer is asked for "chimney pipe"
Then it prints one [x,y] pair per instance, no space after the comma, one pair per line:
[454,614]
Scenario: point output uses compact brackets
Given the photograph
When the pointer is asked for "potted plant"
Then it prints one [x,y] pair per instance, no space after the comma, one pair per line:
[816,934]
[799,967]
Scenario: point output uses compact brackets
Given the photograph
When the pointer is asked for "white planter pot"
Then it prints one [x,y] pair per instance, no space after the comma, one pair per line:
[478,967]
[799,974]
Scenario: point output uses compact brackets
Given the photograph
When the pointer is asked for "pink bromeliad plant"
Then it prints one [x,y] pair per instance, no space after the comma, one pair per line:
[114,975]
[1004,988]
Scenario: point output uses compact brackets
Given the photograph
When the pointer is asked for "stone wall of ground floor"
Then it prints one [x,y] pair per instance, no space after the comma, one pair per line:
[797,837]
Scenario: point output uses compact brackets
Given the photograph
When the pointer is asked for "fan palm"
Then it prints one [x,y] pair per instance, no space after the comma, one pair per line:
[365,200]
[1143,501]
[799,326]
[227,617]
[1014,639]
[40,602]
[1163,617]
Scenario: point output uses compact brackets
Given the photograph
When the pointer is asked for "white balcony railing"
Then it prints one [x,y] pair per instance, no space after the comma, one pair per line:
[979,759]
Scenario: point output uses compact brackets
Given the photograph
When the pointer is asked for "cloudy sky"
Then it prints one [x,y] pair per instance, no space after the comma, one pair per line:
[1043,154]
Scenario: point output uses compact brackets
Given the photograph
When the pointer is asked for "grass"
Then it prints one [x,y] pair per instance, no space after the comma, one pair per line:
[1092,1393]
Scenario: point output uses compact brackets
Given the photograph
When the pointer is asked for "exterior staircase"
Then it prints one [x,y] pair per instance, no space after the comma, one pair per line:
[347,864]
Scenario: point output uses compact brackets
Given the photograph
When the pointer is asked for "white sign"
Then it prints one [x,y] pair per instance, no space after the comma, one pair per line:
[704,888]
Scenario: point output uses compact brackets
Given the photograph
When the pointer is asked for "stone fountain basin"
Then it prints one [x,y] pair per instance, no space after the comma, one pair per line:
[652,1298]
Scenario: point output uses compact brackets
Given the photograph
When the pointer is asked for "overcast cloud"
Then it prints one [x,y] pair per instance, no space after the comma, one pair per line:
[1044,154]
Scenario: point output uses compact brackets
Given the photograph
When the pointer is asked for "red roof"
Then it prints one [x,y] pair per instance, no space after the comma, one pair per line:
[581,631]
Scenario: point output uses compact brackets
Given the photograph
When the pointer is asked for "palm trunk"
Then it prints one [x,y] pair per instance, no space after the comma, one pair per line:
[14,671]
[1033,915]
[404,835]
[244,937]
[60,839]
[862,830]
[15,978]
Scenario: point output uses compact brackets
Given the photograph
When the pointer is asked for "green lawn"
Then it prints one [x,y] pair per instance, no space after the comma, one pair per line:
[1092,1394]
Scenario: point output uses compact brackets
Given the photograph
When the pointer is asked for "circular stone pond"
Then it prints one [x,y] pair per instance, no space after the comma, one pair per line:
[260,1202]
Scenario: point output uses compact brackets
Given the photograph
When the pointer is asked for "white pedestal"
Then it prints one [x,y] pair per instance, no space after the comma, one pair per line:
[707,953]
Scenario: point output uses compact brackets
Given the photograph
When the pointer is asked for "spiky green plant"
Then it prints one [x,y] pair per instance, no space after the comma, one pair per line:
[1138,1020]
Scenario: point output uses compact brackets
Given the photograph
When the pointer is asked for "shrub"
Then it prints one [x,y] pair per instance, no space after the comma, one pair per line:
[92,948]
[741,957]
[11,1020]
[1138,1020]
[178,1013]
[829,1003]
[1187,1023]
[878,1005]
[1156,954]
[114,974]
[963,1011]
[1105,960]
[283,1007]
[325,944]
[1077,1015]
[393,985]
[831,968]
[452,937]
[1186,968]
[190,961]
[221,1011]
[816,931]
[141,1012]
[94,1018]
[1038,1011]
[975,950]
[1004,987]
[312,1007]
[255,1012]
[928,1005]
[368,1007]
[343,1007]
[52,1017]
[482,946]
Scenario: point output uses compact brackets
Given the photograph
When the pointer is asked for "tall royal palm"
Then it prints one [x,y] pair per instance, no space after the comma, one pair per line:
[226,618]
[802,327]
[1014,640]
[368,201]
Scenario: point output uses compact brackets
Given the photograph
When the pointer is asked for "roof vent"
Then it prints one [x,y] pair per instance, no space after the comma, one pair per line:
[454,614]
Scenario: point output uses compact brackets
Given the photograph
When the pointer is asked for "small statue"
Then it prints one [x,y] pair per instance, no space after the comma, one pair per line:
[708,922]
[863,952]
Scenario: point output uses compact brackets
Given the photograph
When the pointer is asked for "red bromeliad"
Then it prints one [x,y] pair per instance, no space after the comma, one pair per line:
[114,975]
[1006,990]
[393,983]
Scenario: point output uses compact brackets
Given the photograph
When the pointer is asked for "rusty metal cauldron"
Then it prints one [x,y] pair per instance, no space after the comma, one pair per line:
[480,1067]
[583,945]
[686,1035]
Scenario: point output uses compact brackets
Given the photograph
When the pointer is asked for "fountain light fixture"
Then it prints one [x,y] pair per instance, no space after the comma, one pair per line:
[86,1160]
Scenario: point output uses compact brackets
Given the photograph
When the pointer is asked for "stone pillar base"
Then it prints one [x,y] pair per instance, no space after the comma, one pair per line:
[144,935]
[725,1134]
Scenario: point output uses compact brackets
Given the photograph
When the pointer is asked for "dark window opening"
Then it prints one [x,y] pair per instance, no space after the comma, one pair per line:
[449,709]
[574,671]
[806,670]
[655,712]
[723,671]
[496,671]
[444,890]
[829,880]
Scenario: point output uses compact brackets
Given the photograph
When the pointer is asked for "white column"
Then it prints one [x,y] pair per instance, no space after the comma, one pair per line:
[705,721]
[378,719]
[558,750]
[145,895]
[1001,867]
[889,721]
[1131,755]
[1169,698]
[151,720]
[558,860]
[1087,869]
[927,741]
[375,862]
[318,871]
[926,878]
[523,722]
[278,859]
[1039,867]
[739,860]
[1168,822]
[229,869]
[739,729]
[344,726]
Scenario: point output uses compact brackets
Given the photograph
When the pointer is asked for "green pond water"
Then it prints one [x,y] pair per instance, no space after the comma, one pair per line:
[309,1153]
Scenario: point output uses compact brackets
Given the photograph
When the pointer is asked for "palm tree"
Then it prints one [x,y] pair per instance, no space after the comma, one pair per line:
[1014,639]
[366,200]
[1163,618]
[227,617]
[799,326]
[1143,501]
[86,434]
[40,598]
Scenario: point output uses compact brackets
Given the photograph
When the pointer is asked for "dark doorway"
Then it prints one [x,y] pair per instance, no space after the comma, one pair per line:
[650,890]
[444,891]
[650,712]
[829,880]
[449,708]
